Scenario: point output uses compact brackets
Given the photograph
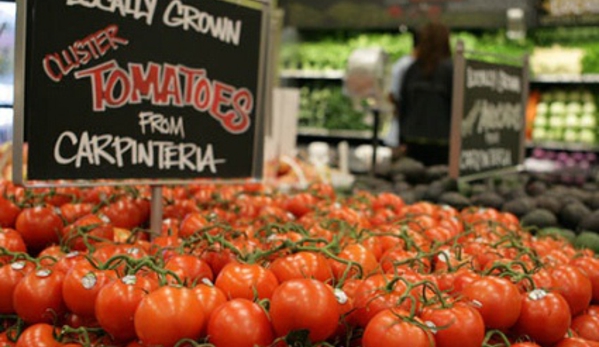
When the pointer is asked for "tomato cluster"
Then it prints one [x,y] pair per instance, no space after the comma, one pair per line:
[246,265]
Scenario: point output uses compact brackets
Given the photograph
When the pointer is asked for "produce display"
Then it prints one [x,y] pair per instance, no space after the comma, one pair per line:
[566,115]
[566,167]
[247,265]
[326,107]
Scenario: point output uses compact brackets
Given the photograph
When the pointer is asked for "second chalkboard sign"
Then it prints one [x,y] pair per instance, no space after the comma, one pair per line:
[142,89]
[488,119]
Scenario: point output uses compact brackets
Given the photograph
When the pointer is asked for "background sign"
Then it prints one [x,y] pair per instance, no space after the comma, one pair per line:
[143,89]
[488,134]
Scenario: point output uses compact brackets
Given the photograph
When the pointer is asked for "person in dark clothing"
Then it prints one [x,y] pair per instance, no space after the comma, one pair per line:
[425,99]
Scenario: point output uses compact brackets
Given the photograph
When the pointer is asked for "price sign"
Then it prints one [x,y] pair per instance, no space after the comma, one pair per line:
[141,89]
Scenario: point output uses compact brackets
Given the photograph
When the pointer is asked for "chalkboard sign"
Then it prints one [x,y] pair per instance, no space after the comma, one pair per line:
[142,89]
[488,118]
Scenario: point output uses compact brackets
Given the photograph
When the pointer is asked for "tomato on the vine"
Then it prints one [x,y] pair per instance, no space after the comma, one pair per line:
[391,327]
[586,326]
[574,286]
[168,315]
[293,307]
[81,286]
[116,303]
[458,324]
[246,281]
[240,323]
[10,276]
[497,299]
[545,316]
[37,298]
[39,226]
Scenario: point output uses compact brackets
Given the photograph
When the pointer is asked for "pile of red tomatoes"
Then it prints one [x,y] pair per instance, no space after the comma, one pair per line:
[245,265]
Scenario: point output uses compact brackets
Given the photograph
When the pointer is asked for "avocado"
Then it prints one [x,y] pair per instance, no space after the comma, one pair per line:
[593,201]
[399,187]
[587,239]
[478,189]
[414,171]
[572,214]
[536,188]
[420,191]
[540,218]
[515,193]
[465,189]
[437,172]
[520,206]
[398,178]
[549,202]
[569,235]
[488,199]
[434,191]
[408,197]
[454,199]
[590,222]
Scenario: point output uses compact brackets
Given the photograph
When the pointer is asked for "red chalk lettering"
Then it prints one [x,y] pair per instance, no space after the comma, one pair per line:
[81,52]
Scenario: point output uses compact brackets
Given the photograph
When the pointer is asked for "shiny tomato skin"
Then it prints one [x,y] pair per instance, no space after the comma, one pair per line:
[586,326]
[576,342]
[192,223]
[304,304]
[10,276]
[590,266]
[190,269]
[211,298]
[38,296]
[81,286]
[358,254]
[545,316]
[168,315]
[240,323]
[8,213]
[12,241]
[124,294]
[245,281]
[574,286]
[38,335]
[387,328]
[302,265]
[39,226]
[463,326]
[96,229]
[497,299]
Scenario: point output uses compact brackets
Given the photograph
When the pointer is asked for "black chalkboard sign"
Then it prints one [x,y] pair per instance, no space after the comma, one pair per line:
[143,89]
[488,119]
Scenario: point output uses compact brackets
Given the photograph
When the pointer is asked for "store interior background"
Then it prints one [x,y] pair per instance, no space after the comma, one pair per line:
[314,39]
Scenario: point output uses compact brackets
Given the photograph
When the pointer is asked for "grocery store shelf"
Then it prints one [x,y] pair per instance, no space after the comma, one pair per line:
[563,146]
[580,20]
[350,134]
[313,74]
[587,78]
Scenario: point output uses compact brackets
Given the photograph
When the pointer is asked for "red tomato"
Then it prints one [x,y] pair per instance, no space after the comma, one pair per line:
[12,241]
[246,281]
[38,296]
[8,213]
[124,294]
[168,315]
[300,204]
[39,226]
[81,286]
[240,323]
[211,298]
[358,254]
[293,307]
[192,223]
[461,324]
[590,266]
[388,328]
[576,342]
[302,265]
[545,316]
[497,299]
[125,213]
[388,201]
[70,212]
[10,276]
[5,341]
[377,293]
[574,286]
[38,335]
[189,269]
[586,326]
[93,227]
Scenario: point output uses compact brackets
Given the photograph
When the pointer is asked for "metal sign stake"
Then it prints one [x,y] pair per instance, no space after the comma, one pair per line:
[156,211]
